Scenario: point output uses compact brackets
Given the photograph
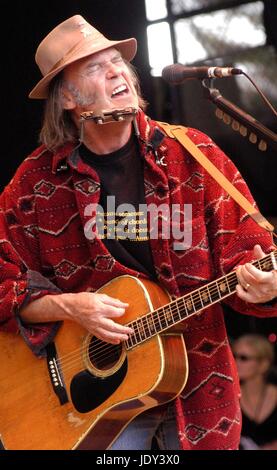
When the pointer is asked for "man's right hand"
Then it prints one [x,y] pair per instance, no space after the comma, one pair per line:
[95,312]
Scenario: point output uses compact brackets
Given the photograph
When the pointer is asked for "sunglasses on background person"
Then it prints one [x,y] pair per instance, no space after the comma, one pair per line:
[245,357]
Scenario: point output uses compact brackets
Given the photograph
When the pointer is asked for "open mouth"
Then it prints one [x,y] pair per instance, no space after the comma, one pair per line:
[119,91]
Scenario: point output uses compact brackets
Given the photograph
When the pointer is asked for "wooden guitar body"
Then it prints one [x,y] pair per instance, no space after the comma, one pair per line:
[103,386]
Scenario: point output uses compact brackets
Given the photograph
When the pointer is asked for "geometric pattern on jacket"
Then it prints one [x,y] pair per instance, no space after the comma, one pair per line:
[43,250]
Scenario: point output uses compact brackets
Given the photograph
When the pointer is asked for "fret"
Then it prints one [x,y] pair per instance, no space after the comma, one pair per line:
[200,299]
[222,287]
[131,339]
[135,339]
[151,324]
[258,264]
[229,280]
[141,331]
[198,304]
[218,291]
[213,291]
[172,311]
[183,300]
[273,260]
[159,320]
[162,319]
[209,293]
[190,307]
[167,315]
[177,311]
[205,295]
[262,264]
[146,327]
[267,264]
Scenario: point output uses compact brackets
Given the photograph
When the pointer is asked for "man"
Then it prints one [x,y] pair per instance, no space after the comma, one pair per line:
[52,262]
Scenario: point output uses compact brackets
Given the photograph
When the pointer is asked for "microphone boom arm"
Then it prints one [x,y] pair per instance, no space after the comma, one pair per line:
[242,121]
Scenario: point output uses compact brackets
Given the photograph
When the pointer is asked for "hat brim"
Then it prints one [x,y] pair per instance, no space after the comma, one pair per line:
[127,47]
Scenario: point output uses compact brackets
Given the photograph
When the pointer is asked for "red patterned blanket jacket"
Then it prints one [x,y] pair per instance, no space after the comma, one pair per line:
[43,249]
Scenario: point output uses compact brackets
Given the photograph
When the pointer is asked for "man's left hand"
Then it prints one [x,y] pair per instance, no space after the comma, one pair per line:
[256,286]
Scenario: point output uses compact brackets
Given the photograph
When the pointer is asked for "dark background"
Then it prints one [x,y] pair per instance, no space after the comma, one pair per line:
[25,24]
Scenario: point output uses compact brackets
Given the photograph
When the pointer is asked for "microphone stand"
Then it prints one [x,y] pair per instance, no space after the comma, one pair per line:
[240,121]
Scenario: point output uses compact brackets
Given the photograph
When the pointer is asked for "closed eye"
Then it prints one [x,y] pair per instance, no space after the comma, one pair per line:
[95,67]
[117,60]
[91,69]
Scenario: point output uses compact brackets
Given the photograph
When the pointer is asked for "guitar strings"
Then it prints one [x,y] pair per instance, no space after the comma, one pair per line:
[104,350]
[208,293]
[39,379]
[144,323]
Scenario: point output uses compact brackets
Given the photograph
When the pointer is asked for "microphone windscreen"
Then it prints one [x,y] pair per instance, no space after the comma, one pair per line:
[173,73]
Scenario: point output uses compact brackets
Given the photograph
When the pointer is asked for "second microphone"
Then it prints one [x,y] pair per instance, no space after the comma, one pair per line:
[178,73]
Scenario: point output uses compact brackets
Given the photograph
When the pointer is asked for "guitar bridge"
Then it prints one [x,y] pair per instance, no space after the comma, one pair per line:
[55,374]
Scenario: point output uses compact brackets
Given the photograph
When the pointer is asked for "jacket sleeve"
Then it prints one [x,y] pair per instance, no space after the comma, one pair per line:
[232,233]
[21,280]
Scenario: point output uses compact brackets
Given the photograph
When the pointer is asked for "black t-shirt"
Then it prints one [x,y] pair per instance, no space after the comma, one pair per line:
[260,433]
[123,230]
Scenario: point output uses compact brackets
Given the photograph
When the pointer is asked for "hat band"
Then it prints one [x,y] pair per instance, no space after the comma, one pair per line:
[74,51]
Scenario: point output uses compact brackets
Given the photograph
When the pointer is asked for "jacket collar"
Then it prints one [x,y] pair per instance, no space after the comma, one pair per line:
[150,136]
[59,161]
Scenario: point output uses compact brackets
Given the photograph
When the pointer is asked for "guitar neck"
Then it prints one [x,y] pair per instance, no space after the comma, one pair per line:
[160,320]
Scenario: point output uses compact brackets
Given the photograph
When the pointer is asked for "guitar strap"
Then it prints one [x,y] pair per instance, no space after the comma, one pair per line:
[180,133]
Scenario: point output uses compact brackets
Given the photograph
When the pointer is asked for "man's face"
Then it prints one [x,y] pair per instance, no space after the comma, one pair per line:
[100,82]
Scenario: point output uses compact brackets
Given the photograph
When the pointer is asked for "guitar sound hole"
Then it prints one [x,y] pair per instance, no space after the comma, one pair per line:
[104,356]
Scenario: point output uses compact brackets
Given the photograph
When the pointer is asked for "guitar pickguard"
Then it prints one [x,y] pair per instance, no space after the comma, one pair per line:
[89,391]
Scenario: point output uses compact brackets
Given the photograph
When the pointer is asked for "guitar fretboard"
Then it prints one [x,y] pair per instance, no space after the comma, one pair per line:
[184,307]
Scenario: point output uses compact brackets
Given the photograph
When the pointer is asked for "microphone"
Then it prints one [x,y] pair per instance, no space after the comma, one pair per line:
[178,73]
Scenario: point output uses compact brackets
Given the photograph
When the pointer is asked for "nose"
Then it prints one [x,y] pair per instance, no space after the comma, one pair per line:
[112,70]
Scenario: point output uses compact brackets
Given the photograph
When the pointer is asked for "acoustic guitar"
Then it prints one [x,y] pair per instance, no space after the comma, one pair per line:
[86,391]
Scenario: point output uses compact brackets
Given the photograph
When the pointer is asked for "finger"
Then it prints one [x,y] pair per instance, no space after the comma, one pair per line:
[243,294]
[111,325]
[243,279]
[258,252]
[258,276]
[246,277]
[112,335]
[250,295]
[256,294]
[106,299]
[102,334]
[112,312]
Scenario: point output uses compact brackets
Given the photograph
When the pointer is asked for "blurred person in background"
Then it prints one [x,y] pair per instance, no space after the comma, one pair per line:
[254,356]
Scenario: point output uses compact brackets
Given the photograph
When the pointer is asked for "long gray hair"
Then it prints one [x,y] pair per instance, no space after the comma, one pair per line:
[58,127]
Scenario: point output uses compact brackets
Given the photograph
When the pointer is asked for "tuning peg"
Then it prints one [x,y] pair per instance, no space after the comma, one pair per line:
[243,131]
[262,146]
[227,119]
[253,138]
[219,113]
[235,125]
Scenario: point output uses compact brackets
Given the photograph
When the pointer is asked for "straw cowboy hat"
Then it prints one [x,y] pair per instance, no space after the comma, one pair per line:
[72,40]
